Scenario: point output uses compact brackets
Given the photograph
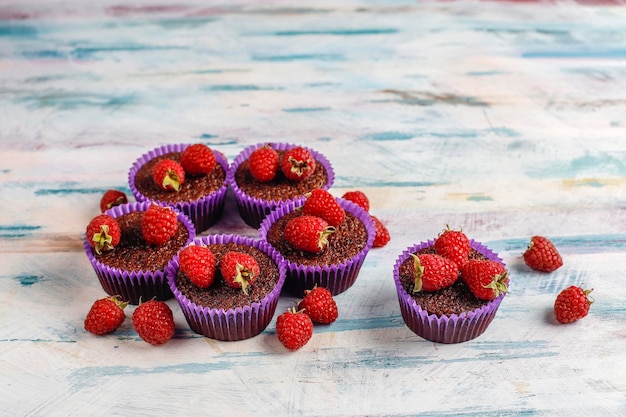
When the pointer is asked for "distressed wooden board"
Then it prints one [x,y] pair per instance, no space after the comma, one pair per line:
[504,118]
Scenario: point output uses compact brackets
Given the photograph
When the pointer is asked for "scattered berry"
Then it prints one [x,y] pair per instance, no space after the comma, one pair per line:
[168,175]
[197,159]
[572,304]
[154,322]
[542,255]
[320,305]
[103,233]
[105,315]
[359,198]
[198,263]
[239,270]
[382,236]
[263,163]
[308,233]
[486,279]
[432,272]
[159,224]
[322,204]
[112,198]
[294,329]
[297,164]
[454,245]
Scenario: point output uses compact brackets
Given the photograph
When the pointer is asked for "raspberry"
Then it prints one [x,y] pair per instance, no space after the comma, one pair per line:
[572,304]
[486,279]
[105,315]
[159,224]
[382,237]
[320,305]
[239,270]
[263,163]
[294,329]
[308,233]
[359,198]
[454,245]
[297,164]
[433,272]
[112,198]
[198,263]
[168,175]
[103,233]
[322,204]
[542,255]
[154,322]
[197,159]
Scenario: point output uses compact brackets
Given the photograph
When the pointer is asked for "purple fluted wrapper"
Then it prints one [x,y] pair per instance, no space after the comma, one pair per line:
[137,285]
[252,209]
[337,277]
[445,329]
[232,324]
[203,212]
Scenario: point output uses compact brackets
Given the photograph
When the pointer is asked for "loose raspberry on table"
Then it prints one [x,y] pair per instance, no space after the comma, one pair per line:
[105,315]
[294,329]
[359,198]
[154,322]
[112,198]
[542,255]
[319,304]
[572,304]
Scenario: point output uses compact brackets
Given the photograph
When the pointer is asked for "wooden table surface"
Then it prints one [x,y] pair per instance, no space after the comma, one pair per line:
[507,119]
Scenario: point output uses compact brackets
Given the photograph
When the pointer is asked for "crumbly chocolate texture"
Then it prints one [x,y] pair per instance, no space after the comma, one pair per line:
[193,188]
[134,254]
[221,296]
[455,299]
[349,238]
[280,188]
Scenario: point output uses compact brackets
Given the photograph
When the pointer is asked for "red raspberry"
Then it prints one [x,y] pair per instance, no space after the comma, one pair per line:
[112,198]
[359,198]
[263,163]
[486,279]
[297,164]
[239,270]
[433,272]
[105,315]
[154,322]
[197,159]
[454,245]
[572,304]
[103,233]
[294,329]
[159,224]
[198,263]
[542,255]
[382,237]
[308,233]
[320,305]
[168,175]
[322,204]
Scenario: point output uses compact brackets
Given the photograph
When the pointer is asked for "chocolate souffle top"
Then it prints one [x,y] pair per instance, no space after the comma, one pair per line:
[280,188]
[348,240]
[455,299]
[194,187]
[134,254]
[221,296]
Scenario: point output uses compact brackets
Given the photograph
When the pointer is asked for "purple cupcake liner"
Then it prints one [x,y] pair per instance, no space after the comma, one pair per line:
[253,209]
[233,324]
[203,212]
[137,285]
[337,278]
[445,329]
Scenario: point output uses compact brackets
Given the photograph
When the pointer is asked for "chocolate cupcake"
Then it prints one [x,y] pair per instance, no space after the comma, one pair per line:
[134,270]
[200,197]
[220,311]
[338,265]
[448,315]
[256,199]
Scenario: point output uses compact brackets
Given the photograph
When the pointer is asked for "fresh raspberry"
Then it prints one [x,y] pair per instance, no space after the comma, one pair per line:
[322,204]
[320,305]
[294,329]
[112,198]
[572,304]
[168,175]
[382,236]
[486,279]
[154,322]
[105,315]
[297,164]
[103,233]
[542,255]
[159,224]
[308,233]
[454,245]
[432,272]
[197,159]
[263,163]
[198,263]
[239,270]
[359,198]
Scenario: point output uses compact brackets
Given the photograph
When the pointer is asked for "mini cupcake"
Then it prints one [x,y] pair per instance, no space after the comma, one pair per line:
[221,311]
[132,268]
[257,196]
[337,266]
[449,315]
[199,194]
